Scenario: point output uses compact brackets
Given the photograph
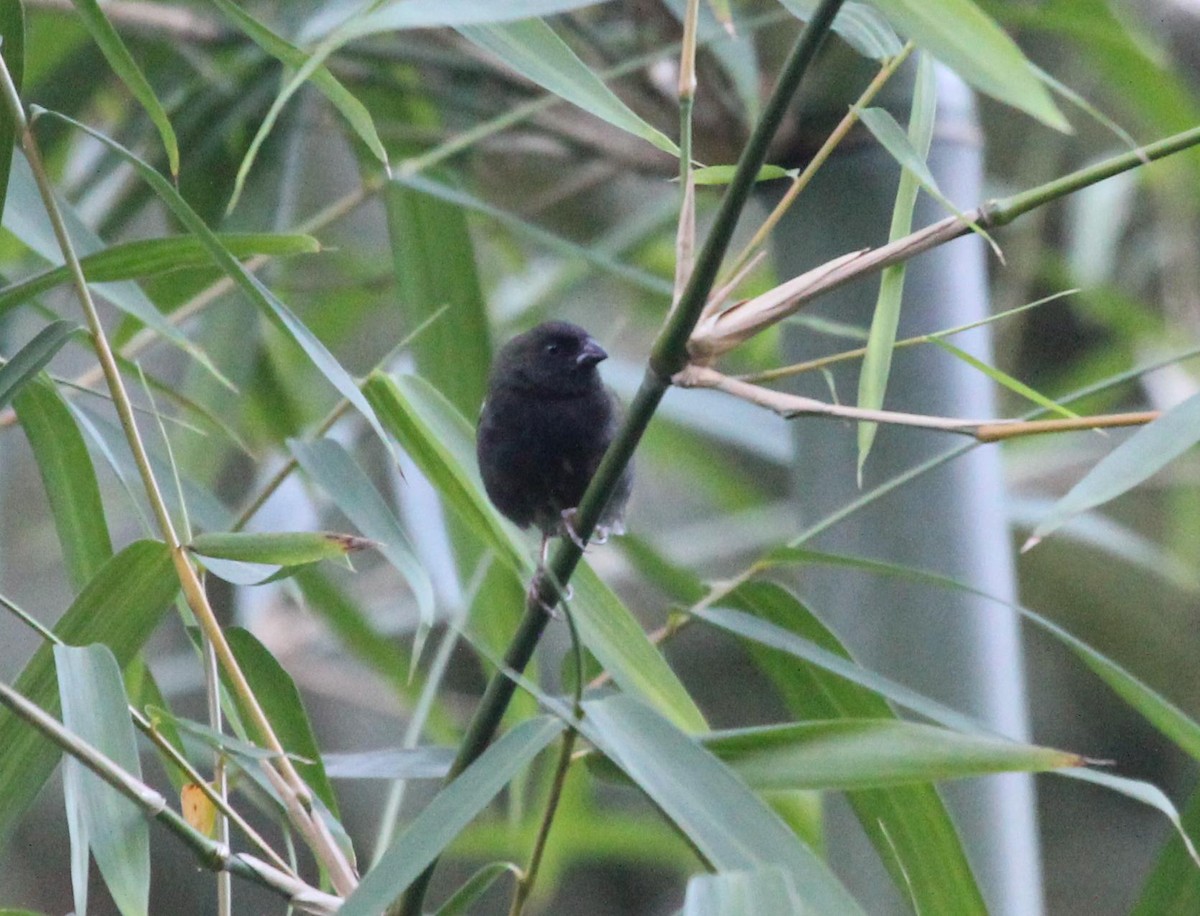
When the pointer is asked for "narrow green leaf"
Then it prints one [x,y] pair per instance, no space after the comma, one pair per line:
[262,297]
[1138,458]
[245,754]
[447,814]
[69,480]
[95,708]
[877,363]
[964,38]
[723,174]
[285,548]
[533,49]
[1168,718]
[462,900]
[126,68]
[391,763]
[1146,794]
[390,17]
[339,475]
[858,753]
[893,139]
[12,47]
[731,827]
[1157,710]
[280,700]
[434,260]
[741,893]
[551,241]
[909,826]
[1003,378]
[1174,884]
[32,358]
[27,220]
[350,108]
[872,753]
[120,607]
[441,444]
[861,26]
[150,257]
[423,14]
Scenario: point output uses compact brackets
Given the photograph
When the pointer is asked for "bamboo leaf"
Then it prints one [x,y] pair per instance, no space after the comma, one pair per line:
[892,138]
[120,607]
[150,257]
[731,827]
[1138,458]
[872,753]
[388,18]
[12,47]
[26,219]
[533,49]
[434,260]
[723,174]
[290,548]
[909,826]
[849,754]
[350,108]
[391,763]
[95,708]
[32,358]
[339,475]
[860,25]
[126,68]
[1174,884]
[68,478]
[449,812]
[741,893]
[1156,709]
[964,38]
[462,900]
[877,363]
[280,700]
[262,297]
[549,240]
[1003,378]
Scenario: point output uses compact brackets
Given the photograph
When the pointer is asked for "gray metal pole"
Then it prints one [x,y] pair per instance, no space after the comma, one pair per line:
[963,652]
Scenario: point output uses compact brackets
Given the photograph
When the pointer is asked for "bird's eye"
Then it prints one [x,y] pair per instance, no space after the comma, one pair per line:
[552,347]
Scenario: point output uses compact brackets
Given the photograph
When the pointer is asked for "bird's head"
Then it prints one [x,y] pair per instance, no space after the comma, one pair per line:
[556,359]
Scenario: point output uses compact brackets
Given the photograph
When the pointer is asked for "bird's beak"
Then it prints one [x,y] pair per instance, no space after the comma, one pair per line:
[591,354]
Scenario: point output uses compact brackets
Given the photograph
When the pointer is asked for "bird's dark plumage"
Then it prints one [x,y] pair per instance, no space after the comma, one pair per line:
[545,425]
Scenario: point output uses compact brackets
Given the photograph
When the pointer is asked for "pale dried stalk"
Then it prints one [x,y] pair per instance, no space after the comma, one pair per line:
[720,333]
[790,406]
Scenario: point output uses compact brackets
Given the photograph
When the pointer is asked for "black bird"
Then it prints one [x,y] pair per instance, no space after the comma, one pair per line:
[544,427]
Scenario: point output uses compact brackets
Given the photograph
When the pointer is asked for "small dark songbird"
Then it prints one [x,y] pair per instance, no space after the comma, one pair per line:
[544,427]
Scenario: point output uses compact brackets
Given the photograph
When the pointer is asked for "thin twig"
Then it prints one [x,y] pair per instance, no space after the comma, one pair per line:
[791,406]
[212,855]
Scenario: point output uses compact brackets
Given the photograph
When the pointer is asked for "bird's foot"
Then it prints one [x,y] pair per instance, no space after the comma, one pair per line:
[534,595]
[568,521]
